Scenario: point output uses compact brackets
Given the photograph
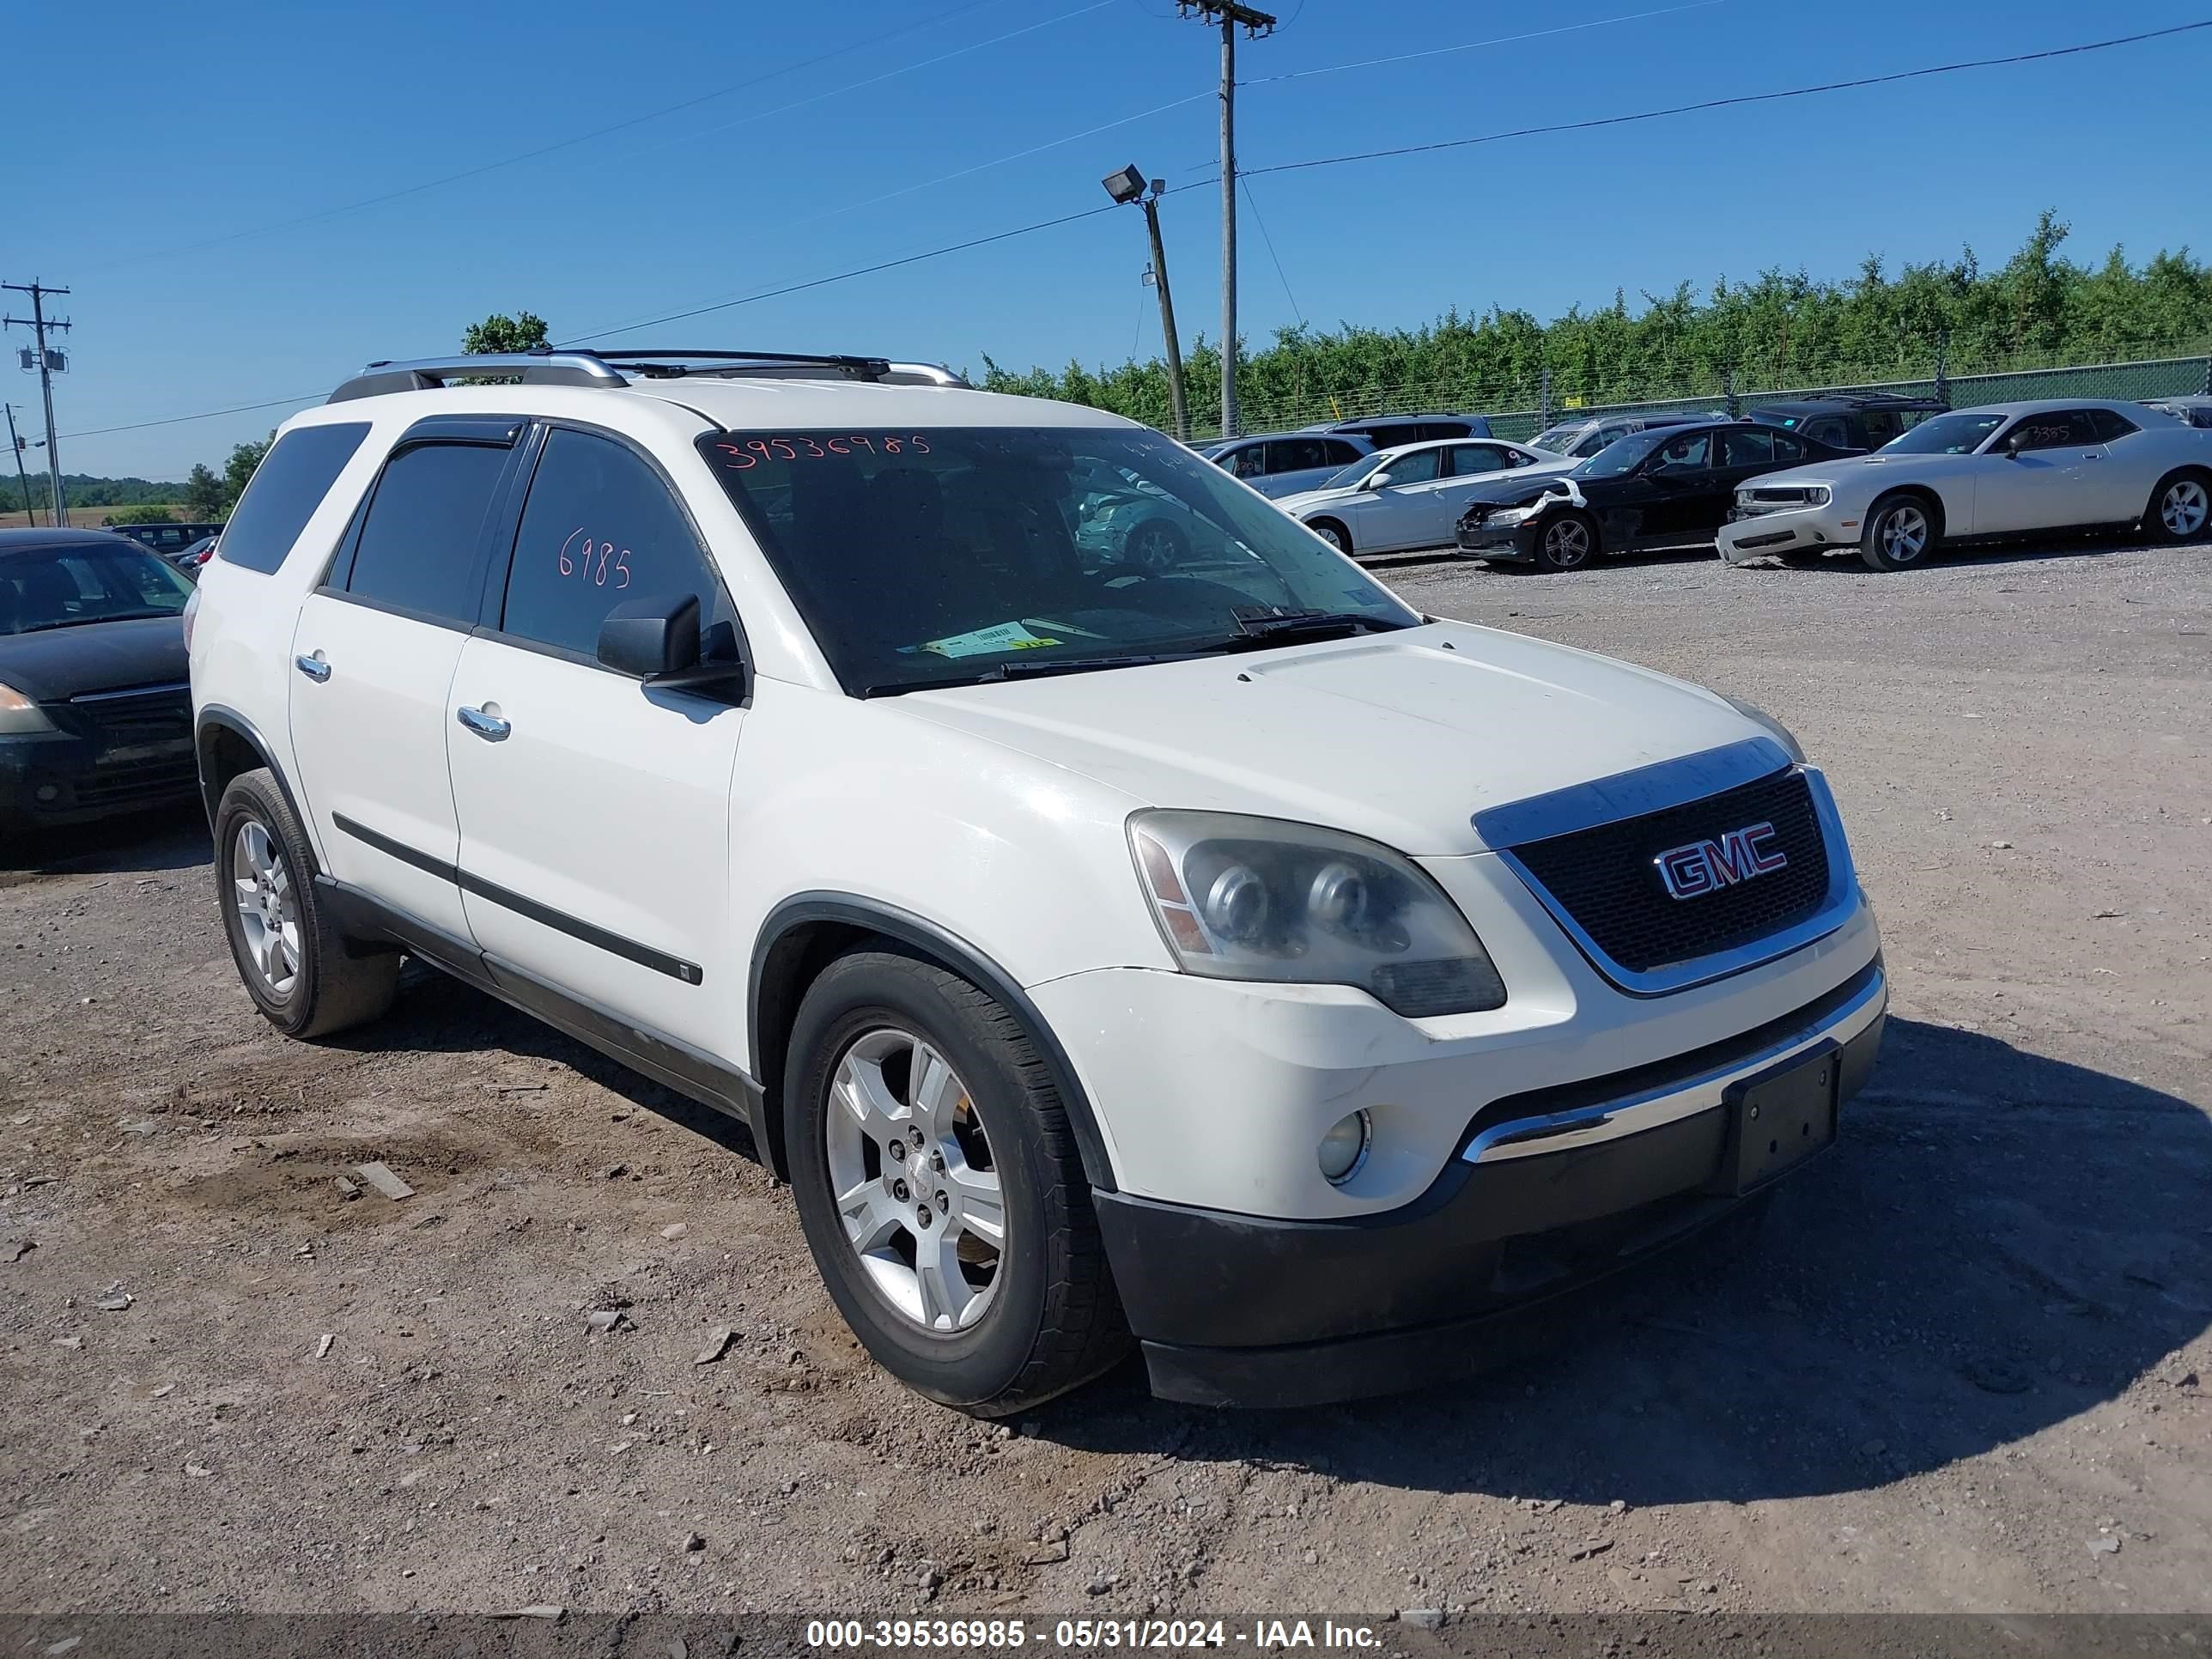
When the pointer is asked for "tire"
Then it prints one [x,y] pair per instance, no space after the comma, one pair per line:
[265,872]
[1156,547]
[2181,507]
[1569,541]
[1017,1319]
[1902,533]
[1333,532]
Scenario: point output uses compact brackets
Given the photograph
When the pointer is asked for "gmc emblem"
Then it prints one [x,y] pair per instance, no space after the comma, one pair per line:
[1706,866]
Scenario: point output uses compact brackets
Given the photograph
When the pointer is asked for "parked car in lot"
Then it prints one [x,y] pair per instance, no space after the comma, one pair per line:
[1391,431]
[1850,421]
[1281,464]
[1976,474]
[167,539]
[1668,487]
[1217,954]
[1579,440]
[2190,412]
[190,559]
[95,715]
[1410,497]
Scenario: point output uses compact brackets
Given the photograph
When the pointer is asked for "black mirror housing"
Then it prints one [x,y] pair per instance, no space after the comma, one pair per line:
[649,637]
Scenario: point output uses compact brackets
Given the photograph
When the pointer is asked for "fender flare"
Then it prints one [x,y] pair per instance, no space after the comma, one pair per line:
[215,717]
[765,1061]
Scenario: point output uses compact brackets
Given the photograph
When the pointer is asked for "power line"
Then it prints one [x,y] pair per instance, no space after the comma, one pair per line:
[1475,46]
[1738,101]
[596,133]
[845,275]
[1250,202]
[1286,167]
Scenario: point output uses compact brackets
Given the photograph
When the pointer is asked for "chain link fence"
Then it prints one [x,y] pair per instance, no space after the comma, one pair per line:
[1523,408]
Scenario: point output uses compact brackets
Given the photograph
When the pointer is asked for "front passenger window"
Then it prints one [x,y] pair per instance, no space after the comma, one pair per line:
[600,528]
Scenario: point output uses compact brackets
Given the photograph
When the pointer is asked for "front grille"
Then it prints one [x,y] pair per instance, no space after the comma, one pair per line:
[172,779]
[125,720]
[1607,878]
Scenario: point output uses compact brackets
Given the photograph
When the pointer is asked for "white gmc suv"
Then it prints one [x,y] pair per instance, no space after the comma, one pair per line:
[1199,946]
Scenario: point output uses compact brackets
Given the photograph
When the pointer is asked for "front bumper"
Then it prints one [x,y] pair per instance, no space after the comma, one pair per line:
[57,778]
[1509,543]
[1552,1191]
[1752,536]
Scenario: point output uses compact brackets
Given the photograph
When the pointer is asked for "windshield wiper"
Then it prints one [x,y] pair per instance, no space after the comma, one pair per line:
[81,622]
[1258,632]
[1027,668]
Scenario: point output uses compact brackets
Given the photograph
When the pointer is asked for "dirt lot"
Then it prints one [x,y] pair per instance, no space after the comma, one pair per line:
[1958,1370]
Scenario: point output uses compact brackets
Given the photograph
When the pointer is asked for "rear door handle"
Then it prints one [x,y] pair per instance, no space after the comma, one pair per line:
[314,667]
[489,727]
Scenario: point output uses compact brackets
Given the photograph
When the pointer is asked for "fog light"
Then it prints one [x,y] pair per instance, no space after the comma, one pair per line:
[1344,1148]
[48,795]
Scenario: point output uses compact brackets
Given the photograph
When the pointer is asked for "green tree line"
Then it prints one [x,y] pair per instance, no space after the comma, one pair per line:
[1785,328]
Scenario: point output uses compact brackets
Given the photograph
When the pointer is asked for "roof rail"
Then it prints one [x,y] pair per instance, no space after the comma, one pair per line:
[605,369]
[428,373]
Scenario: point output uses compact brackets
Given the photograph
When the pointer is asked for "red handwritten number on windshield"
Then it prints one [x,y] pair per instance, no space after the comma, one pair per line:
[592,567]
[756,450]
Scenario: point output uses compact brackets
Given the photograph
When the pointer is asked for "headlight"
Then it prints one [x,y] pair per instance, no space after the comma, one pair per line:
[1261,899]
[19,714]
[1515,515]
[1819,495]
[1775,728]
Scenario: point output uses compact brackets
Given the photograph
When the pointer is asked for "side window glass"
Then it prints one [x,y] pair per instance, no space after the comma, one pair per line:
[1684,454]
[2060,429]
[599,528]
[1467,459]
[2110,424]
[417,548]
[286,488]
[1747,445]
[1422,466]
[1341,454]
[1787,447]
[1249,462]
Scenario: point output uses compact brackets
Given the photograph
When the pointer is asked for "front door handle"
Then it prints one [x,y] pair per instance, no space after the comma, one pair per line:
[489,727]
[314,667]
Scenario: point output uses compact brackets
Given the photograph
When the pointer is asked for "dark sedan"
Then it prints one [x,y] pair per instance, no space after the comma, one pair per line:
[95,709]
[1670,487]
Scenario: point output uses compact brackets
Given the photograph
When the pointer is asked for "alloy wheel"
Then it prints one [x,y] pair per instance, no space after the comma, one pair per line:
[268,907]
[1904,534]
[913,1181]
[2184,507]
[1567,542]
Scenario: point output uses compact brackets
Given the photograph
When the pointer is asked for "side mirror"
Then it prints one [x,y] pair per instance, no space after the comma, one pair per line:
[2013,445]
[656,639]
[1377,480]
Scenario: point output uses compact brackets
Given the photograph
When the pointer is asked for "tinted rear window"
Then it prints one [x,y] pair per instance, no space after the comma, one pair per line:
[286,488]
[418,550]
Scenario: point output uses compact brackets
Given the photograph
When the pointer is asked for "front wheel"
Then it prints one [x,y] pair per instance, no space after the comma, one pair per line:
[941,1191]
[2180,507]
[1155,546]
[1332,532]
[1900,534]
[1569,541]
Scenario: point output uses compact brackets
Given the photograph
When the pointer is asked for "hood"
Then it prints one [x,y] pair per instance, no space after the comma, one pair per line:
[1298,500]
[1394,737]
[60,663]
[1844,466]
[1519,487]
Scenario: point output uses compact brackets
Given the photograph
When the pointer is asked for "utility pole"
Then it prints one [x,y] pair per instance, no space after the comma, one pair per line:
[24,483]
[1126,186]
[38,323]
[1232,15]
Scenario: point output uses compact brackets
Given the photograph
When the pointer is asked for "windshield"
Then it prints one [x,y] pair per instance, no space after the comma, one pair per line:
[1621,457]
[1344,477]
[1557,438]
[941,557]
[1959,434]
[43,587]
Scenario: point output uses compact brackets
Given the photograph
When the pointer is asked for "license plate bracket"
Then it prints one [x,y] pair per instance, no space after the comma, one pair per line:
[1779,1119]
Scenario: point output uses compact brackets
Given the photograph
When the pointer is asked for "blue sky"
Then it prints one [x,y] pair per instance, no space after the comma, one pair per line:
[138,130]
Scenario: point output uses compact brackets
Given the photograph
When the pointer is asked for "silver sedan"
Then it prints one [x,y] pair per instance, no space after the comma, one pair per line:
[1410,497]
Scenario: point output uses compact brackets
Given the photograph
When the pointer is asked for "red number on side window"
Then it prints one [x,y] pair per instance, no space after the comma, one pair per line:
[568,568]
[739,460]
[622,568]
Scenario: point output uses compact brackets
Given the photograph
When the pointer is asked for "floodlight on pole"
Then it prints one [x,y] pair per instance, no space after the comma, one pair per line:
[1126,186]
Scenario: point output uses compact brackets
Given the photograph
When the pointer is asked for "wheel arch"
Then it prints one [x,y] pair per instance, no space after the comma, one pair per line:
[1927,495]
[2200,470]
[1343,530]
[809,931]
[225,743]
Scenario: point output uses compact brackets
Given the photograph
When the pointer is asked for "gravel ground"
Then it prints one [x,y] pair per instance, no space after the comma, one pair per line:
[1958,1370]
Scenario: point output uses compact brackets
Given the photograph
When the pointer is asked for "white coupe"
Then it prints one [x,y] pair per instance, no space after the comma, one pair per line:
[1410,497]
[1979,474]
